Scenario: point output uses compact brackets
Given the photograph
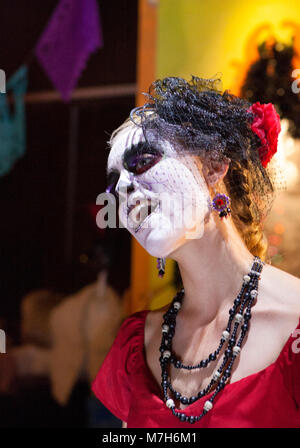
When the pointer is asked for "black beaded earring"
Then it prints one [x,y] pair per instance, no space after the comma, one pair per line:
[161,264]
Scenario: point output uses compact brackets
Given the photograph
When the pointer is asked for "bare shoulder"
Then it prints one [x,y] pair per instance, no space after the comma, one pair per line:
[277,310]
[281,289]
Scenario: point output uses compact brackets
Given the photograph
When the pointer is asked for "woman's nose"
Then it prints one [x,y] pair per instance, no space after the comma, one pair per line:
[125,184]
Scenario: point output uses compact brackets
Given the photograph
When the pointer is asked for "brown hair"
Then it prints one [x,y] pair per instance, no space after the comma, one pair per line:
[238,182]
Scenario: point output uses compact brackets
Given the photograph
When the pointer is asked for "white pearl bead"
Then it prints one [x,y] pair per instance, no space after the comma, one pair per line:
[208,405]
[216,375]
[225,335]
[165,328]
[253,293]
[177,305]
[236,350]
[247,278]
[238,318]
[166,354]
[170,403]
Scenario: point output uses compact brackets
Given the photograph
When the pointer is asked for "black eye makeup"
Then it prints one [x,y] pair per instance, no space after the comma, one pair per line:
[141,157]
[112,180]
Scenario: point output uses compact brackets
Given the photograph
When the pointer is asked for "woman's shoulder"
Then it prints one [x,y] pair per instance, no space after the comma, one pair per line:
[278,304]
[281,290]
[132,327]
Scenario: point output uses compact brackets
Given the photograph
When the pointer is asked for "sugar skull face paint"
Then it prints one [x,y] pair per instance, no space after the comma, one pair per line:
[163,196]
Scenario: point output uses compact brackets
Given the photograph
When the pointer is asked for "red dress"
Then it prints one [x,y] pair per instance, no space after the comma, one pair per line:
[269,398]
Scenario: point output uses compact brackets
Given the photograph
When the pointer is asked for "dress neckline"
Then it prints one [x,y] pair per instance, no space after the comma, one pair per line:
[148,373]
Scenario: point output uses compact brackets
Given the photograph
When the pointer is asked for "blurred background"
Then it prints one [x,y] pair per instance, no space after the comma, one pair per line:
[70,72]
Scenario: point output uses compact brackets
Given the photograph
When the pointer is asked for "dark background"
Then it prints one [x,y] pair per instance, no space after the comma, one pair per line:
[34,201]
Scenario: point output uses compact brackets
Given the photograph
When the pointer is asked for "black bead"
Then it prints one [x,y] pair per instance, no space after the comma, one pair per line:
[184,400]
[192,399]
[177,395]
[245,327]
[191,419]
[227,372]
[178,364]
[231,341]
[212,356]
[204,363]
[228,352]
[182,417]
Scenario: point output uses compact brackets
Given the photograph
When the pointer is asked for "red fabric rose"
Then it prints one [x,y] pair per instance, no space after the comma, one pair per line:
[266,125]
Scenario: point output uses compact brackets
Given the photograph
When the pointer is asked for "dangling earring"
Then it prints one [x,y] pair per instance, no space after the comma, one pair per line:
[161,264]
[221,204]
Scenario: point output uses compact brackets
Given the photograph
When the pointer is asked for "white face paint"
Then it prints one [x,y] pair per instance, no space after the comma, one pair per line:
[167,181]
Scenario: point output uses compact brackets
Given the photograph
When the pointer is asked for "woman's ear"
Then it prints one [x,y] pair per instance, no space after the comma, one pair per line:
[214,171]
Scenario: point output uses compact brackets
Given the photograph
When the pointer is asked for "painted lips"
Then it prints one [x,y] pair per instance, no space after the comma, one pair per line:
[138,212]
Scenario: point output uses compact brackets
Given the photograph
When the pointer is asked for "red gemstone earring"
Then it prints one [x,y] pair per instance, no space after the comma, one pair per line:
[221,204]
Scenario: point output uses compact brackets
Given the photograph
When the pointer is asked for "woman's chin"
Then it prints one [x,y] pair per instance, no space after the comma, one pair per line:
[163,247]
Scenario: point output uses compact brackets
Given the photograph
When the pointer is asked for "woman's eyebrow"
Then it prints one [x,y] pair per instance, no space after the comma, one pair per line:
[135,149]
[140,148]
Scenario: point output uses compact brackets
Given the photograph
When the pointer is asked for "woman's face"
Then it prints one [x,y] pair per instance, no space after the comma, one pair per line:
[163,197]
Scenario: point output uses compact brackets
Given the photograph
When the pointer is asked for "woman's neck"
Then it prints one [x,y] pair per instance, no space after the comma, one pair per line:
[212,270]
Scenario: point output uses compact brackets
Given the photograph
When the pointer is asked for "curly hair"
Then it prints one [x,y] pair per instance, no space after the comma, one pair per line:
[197,117]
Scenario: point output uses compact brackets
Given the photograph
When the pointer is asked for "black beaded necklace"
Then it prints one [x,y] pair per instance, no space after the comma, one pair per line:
[243,302]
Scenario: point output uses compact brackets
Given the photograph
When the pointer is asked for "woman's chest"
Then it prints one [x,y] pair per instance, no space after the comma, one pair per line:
[259,350]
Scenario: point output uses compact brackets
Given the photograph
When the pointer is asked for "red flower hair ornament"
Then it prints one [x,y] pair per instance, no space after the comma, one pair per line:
[266,125]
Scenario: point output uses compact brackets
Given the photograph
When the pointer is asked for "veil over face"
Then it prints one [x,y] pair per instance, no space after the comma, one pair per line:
[163,196]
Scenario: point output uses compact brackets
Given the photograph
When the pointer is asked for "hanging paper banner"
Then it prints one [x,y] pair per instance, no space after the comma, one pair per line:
[12,123]
[71,35]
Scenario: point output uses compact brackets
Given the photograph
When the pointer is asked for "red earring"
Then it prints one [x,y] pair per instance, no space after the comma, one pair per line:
[221,204]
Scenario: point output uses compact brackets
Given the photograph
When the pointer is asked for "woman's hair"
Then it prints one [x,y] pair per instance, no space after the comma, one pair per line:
[199,119]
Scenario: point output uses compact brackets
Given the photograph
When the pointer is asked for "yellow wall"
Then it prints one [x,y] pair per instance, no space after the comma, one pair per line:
[203,37]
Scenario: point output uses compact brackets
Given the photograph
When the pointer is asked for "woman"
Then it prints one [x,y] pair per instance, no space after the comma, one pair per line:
[191,170]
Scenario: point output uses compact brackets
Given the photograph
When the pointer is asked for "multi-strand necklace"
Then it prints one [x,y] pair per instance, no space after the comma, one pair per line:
[239,316]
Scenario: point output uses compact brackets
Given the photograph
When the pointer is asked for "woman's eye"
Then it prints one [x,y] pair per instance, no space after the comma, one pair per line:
[141,162]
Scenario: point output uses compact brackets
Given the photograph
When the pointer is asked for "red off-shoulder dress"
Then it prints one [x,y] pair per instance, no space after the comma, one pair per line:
[269,398]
